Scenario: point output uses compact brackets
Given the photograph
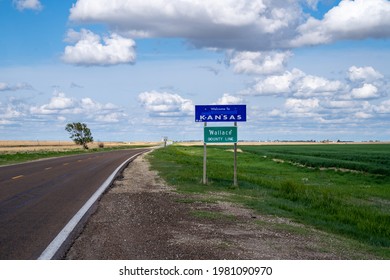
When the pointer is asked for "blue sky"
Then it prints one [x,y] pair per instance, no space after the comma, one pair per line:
[133,70]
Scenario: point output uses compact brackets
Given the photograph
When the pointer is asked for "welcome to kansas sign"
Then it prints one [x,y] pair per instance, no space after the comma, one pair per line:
[220,113]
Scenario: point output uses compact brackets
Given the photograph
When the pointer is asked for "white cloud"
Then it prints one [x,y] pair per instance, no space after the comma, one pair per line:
[302,106]
[339,104]
[310,85]
[28,5]
[9,112]
[383,107]
[243,25]
[350,20]
[229,99]
[227,24]
[362,115]
[163,104]
[58,103]
[62,106]
[367,91]
[110,117]
[367,74]
[298,84]
[276,113]
[277,84]
[89,50]
[262,63]
[19,86]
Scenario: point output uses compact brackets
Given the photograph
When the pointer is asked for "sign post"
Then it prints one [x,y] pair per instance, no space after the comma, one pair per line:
[235,161]
[220,113]
[204,160]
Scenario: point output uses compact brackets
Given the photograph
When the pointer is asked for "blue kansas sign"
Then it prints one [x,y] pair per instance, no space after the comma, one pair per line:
[220,113]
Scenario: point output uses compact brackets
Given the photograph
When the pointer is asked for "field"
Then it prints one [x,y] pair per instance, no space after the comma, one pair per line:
[341,189]
[12,152]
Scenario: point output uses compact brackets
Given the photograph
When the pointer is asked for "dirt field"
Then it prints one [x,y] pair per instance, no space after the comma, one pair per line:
[141,217]
[12,146]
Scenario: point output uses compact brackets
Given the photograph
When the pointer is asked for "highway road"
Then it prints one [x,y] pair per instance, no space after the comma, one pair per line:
[37,199]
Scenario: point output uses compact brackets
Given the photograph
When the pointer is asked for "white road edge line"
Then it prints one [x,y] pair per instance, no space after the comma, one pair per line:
[57,242]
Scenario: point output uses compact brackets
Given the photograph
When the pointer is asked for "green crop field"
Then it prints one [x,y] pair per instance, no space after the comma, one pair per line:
[342,189]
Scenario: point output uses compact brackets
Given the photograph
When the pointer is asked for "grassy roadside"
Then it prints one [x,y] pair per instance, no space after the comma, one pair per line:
[19,157]
[353,202]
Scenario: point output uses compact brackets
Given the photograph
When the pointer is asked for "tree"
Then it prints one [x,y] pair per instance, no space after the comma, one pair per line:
[79,133]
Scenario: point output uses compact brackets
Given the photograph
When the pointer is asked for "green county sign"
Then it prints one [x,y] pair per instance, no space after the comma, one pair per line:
[220,134]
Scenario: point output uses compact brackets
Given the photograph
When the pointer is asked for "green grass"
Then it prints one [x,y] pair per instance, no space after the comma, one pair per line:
[19,157]
[351,204]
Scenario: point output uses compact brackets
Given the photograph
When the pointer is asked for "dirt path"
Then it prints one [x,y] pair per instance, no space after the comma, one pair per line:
[141,217]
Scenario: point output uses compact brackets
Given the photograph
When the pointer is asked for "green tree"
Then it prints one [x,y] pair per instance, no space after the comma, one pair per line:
[79,133]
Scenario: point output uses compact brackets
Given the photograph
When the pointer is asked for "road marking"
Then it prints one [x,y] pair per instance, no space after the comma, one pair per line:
[64,234]
[17,177]
[80,160]
[66,163]
[48,168]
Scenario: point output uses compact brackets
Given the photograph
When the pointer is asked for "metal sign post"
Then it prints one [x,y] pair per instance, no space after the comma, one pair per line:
[235,161]
[205,160]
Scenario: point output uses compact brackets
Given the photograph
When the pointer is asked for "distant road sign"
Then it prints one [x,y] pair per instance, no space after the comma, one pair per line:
[220,113]
[224,134]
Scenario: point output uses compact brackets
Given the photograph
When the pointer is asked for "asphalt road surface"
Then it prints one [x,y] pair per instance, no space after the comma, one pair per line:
[37,199]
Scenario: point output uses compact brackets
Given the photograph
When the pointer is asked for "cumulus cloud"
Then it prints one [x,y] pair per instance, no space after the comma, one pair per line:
[338,104]
[229,99]
[261,63]
[350,20]
[301,106]
[362,115]
[163,104]
[59,103]
[367,91]
[9,112]
[61,106]
[88,49]
[383,107]
[19,86]
[296,83]
[367,74]
[226,24]
[28,5]
[310,85]
[277,84]
[353,100]
[245,26]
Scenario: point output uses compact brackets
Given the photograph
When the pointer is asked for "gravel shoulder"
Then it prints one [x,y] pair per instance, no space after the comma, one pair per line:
[141,217]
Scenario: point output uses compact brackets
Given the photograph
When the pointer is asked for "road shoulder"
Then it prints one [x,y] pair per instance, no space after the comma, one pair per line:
[141,217]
